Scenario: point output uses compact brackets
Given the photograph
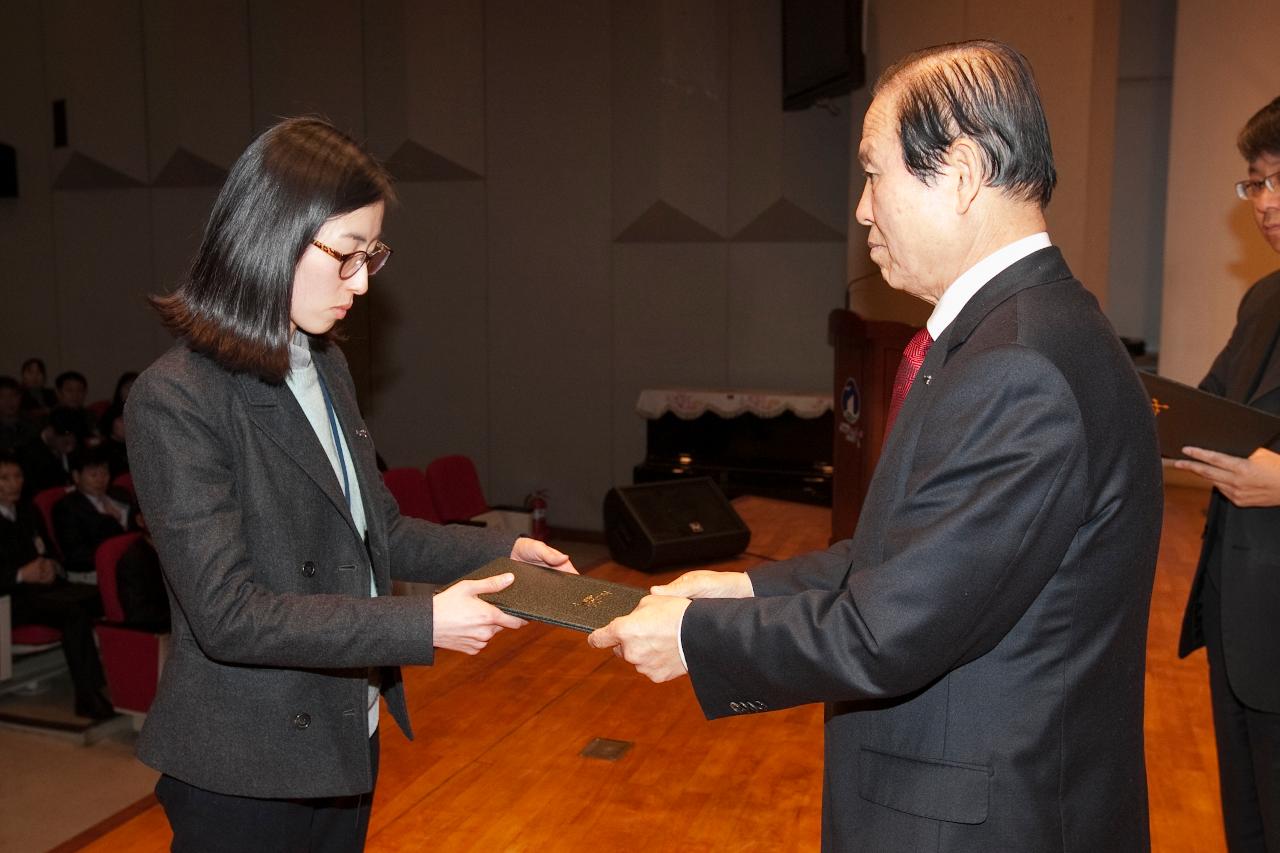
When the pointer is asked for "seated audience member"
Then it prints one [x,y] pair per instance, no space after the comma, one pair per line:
[89,515]
[140,584]
[111,425]
[39,597]
[46,460]
[15,430]
[113,442]
[37,400]
[73,391]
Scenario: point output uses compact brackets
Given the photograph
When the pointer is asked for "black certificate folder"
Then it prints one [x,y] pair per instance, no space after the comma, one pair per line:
[579,602]
[1187,416]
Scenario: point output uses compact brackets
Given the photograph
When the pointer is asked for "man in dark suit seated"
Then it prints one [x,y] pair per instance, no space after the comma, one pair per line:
[15,430]
[46,459]
[91,513]
[72,389]
[37,399]
[980,642]
[40,597]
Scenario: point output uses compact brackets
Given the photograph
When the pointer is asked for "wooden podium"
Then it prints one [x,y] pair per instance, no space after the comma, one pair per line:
[867,353]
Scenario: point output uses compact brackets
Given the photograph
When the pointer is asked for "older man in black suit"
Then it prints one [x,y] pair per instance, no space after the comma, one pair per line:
[980,641]
[1234,610]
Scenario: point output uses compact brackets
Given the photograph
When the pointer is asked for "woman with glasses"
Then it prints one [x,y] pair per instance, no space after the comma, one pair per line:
[278,539]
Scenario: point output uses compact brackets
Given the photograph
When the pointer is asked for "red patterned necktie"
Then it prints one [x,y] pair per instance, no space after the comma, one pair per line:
[912,358]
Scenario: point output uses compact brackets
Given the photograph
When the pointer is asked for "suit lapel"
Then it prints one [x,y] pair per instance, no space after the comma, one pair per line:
[1040,267]
[1264,354]
[274,410]
[350,424]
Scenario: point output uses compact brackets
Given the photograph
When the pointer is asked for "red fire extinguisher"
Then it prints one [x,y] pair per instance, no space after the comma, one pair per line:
[537,505]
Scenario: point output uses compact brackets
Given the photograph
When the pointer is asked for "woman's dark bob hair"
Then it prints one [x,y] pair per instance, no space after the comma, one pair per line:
[235,304]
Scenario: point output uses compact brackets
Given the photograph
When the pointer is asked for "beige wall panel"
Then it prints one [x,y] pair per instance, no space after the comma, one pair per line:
[307,57]
[548,125]
[178,217]
[779,298]
[670,329]
[1143,95]
[424,78]
[104,275]
[28,322]
[95,61]
[894,29]
[1073,49]
[386,75]
[817,149]
[671,86]
[445,75]
[1137,208]
[636,103]
[694,111]
[429,352]
[1213,251]
[198,80]
[756,120]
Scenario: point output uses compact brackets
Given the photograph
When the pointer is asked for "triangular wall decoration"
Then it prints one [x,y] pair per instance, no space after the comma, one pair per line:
[784,222]
[662,223]
[85,173]
[414,162]
[185,169]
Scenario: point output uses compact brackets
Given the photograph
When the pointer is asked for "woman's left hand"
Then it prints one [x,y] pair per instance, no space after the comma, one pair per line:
[528,550]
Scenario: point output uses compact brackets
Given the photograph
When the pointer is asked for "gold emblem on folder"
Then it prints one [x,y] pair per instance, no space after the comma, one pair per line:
[595,599]
[1157,407]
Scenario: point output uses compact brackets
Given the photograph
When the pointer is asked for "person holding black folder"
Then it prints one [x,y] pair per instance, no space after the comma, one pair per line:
[277,537]
[1234,608]
[980,642]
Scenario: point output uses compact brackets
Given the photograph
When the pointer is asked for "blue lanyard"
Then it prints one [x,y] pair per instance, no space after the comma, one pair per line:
[337,440]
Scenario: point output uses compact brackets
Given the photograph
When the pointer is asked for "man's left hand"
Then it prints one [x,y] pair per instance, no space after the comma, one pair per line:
[528,550]
[1254,481]
[648,637]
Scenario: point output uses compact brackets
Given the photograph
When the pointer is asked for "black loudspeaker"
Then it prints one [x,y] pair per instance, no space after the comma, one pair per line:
[653,525]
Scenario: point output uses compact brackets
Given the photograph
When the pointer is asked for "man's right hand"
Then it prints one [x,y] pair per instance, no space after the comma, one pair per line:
[466,624]
[41,570]
[703,583]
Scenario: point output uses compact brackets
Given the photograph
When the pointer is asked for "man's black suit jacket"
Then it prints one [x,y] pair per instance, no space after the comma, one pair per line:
[1247,371]
[980,641]
[81,529]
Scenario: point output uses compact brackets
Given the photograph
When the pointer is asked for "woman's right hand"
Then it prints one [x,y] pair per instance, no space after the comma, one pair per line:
[463,622]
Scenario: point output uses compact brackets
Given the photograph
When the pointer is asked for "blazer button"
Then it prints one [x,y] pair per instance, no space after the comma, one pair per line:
[308,569]
[301,721]
[735,707]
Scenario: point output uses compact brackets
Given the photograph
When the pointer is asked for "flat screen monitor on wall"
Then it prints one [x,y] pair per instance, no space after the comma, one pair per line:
[821,50]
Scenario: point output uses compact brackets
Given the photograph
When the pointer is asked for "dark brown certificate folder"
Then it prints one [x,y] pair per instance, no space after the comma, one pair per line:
[1187,416]
[579,602]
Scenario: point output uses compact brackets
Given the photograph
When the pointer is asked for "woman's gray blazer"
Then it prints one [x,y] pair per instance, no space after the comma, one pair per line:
[264,693]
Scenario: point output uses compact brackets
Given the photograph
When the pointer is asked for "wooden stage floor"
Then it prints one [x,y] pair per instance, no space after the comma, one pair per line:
[497,764]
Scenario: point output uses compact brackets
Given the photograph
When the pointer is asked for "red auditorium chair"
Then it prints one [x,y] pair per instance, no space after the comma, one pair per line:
[131,657]
[44,501]
[455,488]
[125,482]
[26,640]
[409,487]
